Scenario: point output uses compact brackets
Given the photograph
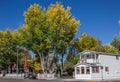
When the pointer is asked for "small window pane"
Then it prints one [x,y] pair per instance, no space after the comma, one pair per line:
[106,69]
[82,70]
[77,70]
[95,69]
[117,57]
[87,70]
[93,56]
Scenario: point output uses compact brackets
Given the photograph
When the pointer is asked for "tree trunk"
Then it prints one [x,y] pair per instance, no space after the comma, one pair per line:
[42,61]
[62,68]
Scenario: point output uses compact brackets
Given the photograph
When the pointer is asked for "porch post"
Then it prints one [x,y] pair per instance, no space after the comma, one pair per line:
[95,58]
[84,69]
[80,70]
[101,68]
[75,70]
[91,72]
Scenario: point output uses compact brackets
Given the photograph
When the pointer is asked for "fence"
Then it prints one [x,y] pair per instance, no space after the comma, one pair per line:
[39,76]
[46,75]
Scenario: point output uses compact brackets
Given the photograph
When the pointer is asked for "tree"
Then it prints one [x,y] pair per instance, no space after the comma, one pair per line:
[43,30]
[34,33]
[70,61]
[72,57]
[30,65]
[88,42]
[8,49]
[63,27]
[116,42]
[110,49]
[36,63]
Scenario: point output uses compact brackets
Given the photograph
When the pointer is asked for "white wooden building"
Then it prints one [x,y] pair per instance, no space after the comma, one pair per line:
[97,66]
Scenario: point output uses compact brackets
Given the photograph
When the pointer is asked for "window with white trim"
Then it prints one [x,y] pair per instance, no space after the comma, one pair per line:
[106,69]
[77,70]
[82,70]
[117,57]
[95,69]
[87,70]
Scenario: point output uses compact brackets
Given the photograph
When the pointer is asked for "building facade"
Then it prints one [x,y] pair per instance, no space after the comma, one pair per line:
[97,65]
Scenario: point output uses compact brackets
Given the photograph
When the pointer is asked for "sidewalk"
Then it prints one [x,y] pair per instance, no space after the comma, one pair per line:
[65,79]
[11,77]
[78,80]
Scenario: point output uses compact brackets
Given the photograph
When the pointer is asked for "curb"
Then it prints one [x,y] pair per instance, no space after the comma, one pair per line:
[11,78]
[42,78]
[47,79]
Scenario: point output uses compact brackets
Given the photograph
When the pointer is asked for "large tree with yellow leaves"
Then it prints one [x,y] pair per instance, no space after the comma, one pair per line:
[63,27]
[53,28]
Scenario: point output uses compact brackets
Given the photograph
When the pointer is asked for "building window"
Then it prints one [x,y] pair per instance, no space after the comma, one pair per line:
[77,70]
[93,56]
[87,70]
[82,70]
[83,60]
[117,57]
[88,56]
[106,69]
[95,69]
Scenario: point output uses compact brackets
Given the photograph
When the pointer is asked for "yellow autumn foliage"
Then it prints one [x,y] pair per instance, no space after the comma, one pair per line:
[88,42]
[110,49]
[37,66]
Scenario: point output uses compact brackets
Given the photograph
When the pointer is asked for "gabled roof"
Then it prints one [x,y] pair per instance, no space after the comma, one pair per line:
[95,52]
[87,64]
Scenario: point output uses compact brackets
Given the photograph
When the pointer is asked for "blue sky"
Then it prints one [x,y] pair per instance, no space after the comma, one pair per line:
[98,17]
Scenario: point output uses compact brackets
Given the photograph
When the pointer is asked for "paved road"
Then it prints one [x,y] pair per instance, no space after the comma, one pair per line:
[27,80]
[58,80]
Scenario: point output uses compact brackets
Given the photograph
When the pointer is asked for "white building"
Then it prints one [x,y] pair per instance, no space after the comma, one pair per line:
[97,65]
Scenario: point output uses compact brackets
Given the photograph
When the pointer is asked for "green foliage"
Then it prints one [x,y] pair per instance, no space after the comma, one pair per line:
[45,29]
[63,27]
[37,31]
[33,34]
[88,42]
[8,49]
[70,71]
[110,49]
[69,63]
[71,60]
[116,42]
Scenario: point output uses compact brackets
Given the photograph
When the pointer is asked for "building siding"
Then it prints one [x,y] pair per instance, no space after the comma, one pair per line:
[109,66]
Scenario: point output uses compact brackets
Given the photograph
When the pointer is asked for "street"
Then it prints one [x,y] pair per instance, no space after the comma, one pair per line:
[31,80]
[26,80]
